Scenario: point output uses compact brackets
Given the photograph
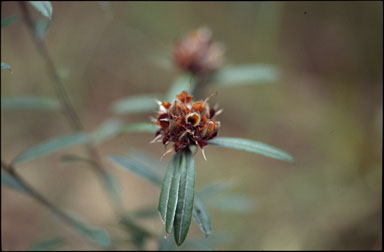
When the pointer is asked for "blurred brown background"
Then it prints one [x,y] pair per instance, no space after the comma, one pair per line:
[326,110]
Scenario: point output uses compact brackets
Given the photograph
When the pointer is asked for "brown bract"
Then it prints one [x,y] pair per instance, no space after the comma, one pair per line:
[185,122]
[196,53]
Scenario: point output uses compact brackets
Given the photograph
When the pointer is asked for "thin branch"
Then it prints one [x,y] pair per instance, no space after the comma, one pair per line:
[69,111]
[40,198]
[62,94]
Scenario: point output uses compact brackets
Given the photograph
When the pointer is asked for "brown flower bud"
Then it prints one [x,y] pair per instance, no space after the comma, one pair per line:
[186,122]
[196,53]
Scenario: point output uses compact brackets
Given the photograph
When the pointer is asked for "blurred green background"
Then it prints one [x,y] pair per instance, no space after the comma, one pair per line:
[326,110]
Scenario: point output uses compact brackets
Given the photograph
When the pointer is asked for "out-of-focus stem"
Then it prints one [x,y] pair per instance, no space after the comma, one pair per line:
[63,96]
[201,81]
[37,196]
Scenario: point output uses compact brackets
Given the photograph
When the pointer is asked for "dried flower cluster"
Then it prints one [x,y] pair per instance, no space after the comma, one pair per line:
[196,53]
[185,122]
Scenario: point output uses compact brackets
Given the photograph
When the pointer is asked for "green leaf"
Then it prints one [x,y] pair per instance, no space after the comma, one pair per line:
[70,158]
[210,190]
[5,66]
[232,203]
[30,103]
[169,192]
[201,217]
[47,244]
[9,180]
[247,74]
[107,130]
[136,167]
[185,196]
[138,234]
[184,82]
[49,146]
[146,212]
[136,104]
[41,27]
[44,7]
[8,20]
[139,127]
[108,178]
[97,235]
[112,185]
[252,146]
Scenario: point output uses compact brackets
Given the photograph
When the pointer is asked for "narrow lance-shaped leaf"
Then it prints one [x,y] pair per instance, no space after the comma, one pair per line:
[184,82]
[201,217]
[136,104]
[185,197]
[252,146]
[44,7]
[169,192]
[247,74]
[9,180]
[235,203]
[8,20]
[107,130]
[109,180]
[139,127]
[136,167]
[97,235]
[54,144]
[47,245]
[30,103]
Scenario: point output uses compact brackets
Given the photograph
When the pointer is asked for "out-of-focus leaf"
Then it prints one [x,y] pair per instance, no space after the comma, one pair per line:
[44,7]
[69,158]
[139,127]
[5,66]
[252,146]
[30,103]
[97,235]
[107,130]
[136,167]
[232,203]
[139,235]
[186,195]
[209,190]
[184,82]
[166,244]
[247,74]
[112,185]
[51,145]
[148,159]
[41,27]
[169,192]
[200,214]
[161,60]
[47,245]
[10,181]
[147,212]
[201,217]
[8,20]
[136,104]
[108,178]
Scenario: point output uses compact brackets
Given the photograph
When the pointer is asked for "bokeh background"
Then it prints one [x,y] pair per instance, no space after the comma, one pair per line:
[326,109]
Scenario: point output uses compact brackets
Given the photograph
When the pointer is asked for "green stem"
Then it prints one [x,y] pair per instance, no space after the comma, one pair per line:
[40,198]
[68,108]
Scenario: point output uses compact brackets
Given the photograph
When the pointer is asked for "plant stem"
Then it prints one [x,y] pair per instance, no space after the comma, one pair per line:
[201,81]
[68,109]
[62,94]
[37,196]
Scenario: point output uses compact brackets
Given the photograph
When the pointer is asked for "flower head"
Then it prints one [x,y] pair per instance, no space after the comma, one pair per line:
[197,53]
[186,122]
